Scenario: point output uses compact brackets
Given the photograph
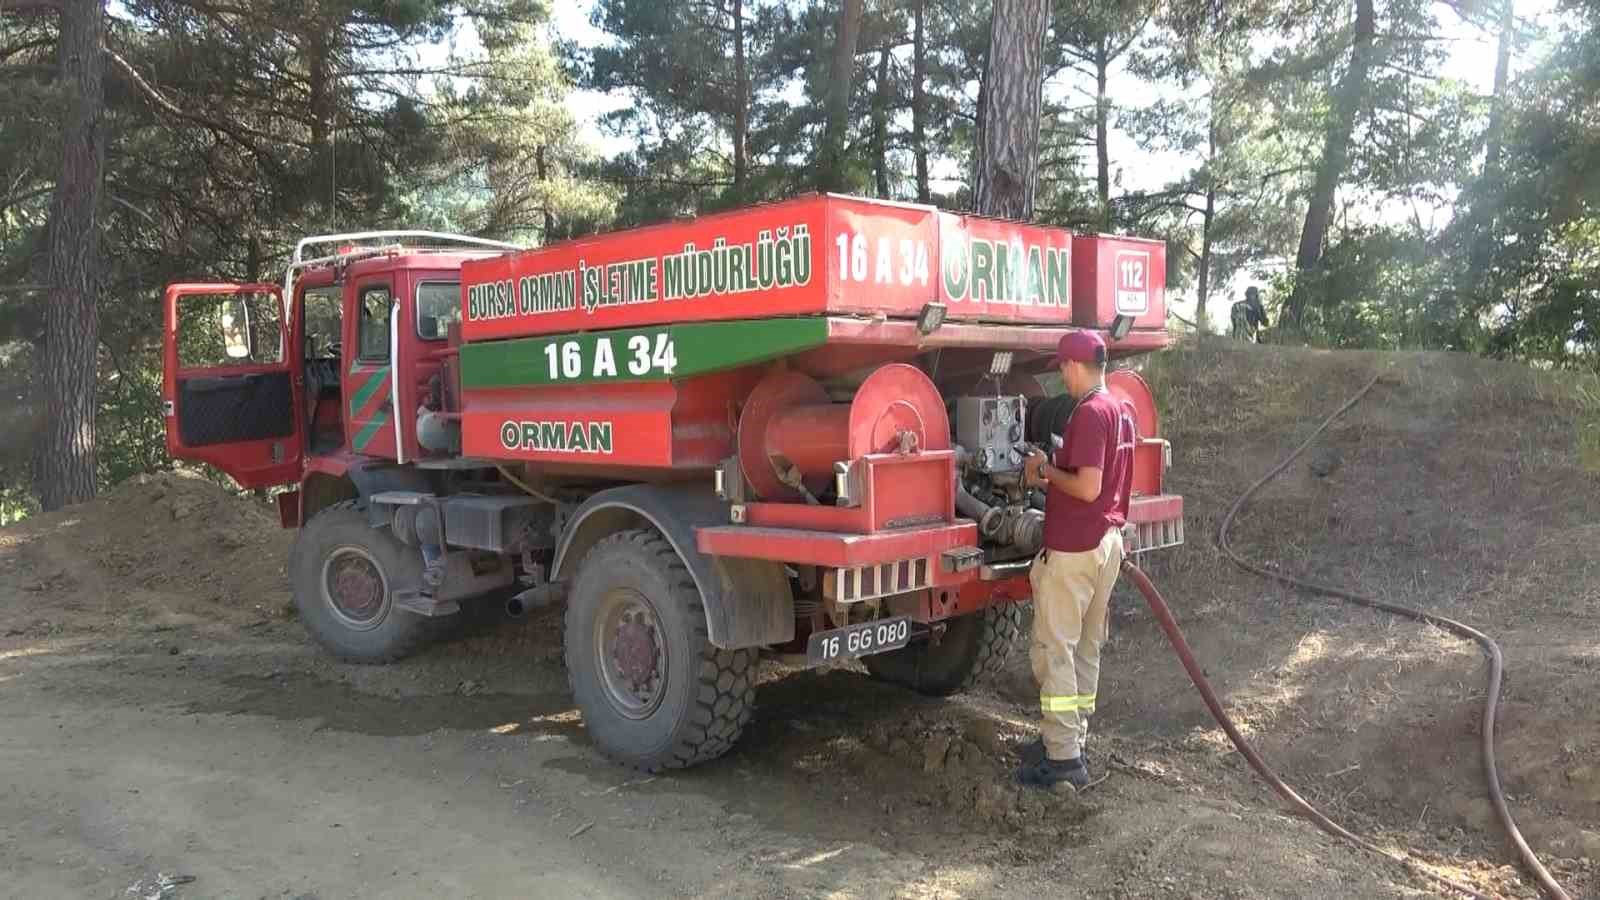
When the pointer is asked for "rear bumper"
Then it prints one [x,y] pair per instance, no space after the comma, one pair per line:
[929,572]
[1154,523]
[861,567]
[832,548]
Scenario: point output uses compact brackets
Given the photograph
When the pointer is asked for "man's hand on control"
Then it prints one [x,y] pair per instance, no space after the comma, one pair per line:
[1033,468]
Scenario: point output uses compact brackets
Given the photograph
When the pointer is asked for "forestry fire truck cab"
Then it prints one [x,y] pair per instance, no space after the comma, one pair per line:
[791,429]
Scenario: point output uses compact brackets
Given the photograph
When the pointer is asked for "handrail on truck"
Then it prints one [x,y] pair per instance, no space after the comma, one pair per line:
[299,262]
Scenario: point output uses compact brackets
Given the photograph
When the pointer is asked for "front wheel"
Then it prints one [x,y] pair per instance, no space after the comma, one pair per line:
[655,693]
[345,574]
[972,648]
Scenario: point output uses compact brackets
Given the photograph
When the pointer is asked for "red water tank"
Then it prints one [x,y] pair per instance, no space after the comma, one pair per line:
[1112,274]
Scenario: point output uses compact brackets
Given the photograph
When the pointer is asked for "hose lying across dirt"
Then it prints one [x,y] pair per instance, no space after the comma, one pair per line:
[1497,796]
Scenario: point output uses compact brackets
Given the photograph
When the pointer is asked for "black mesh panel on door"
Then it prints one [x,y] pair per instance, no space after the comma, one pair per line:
[230,408]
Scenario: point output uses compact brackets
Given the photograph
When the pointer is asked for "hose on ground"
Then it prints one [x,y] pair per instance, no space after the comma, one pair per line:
[1163,614]
[1491,649]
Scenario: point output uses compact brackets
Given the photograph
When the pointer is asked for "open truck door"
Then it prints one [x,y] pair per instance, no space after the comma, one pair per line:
[228,381]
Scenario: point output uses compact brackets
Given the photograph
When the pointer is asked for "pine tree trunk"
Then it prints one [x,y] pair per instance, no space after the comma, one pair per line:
[1335,154]
[919,100]
[1007,167]
[542,171]
[64,452]
[321,104]
[741,104]
[1207,218]
[1495,138]
[1484,218]
[880,124]
[830,168]
[1102,149]
[1200,319]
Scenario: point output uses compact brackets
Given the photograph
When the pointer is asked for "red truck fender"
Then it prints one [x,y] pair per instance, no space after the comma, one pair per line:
[748,602]
[337,477]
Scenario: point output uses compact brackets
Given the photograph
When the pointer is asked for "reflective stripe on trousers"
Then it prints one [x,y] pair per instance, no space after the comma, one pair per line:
[1071,596]
[1083,703]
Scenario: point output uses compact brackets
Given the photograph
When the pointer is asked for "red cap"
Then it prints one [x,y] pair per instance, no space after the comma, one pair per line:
[1081,346]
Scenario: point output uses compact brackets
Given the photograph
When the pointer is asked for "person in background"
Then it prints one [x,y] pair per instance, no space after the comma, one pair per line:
[1249,316]
[1086,504]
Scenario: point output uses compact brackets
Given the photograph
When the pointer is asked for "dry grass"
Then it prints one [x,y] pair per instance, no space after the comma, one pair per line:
[1459,484]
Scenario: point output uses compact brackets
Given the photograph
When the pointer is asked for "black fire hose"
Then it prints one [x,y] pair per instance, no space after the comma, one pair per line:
[1497,796]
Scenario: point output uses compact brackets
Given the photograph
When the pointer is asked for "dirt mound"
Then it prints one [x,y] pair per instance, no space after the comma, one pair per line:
[155,551]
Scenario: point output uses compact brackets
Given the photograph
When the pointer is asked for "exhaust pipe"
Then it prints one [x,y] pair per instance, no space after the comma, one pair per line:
[536,597]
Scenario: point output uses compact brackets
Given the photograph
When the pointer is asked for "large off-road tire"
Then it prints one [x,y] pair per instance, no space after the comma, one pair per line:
[344,574]
[971,649]
[655,693]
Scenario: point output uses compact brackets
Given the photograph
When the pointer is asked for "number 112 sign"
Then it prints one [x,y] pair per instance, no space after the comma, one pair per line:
[1132,269]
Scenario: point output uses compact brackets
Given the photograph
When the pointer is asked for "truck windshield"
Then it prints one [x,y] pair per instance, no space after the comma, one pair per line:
[438,304]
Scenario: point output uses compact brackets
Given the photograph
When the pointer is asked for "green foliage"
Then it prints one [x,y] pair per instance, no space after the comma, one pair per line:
[250,125]
[1378,289]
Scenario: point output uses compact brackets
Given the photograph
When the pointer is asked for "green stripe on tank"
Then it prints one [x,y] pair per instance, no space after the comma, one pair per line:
[637,354]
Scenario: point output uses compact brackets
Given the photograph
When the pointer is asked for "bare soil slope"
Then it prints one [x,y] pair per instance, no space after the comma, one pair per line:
[157,551]
[1459,486]
[162,717]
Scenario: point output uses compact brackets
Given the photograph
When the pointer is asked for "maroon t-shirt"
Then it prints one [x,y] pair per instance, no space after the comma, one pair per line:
[1100,433]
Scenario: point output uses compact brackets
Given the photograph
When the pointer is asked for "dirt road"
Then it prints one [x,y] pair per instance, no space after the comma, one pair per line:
[263,770]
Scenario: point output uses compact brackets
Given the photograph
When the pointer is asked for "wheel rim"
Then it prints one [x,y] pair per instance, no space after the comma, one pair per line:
[354,588]
[631,652]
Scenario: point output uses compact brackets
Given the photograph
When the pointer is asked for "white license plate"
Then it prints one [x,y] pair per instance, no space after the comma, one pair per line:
[855,641]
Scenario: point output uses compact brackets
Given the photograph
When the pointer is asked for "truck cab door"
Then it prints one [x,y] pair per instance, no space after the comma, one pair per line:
[228,381]
[369,368]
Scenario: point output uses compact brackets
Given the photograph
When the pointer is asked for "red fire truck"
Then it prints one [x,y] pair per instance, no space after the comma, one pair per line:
[791,429]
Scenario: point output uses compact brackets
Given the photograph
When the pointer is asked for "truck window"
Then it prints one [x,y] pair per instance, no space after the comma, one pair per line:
[373,332]
[322,315]
[438,304]
[228,330]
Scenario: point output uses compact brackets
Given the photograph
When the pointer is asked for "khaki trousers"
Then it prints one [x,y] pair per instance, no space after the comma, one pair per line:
[1071,597]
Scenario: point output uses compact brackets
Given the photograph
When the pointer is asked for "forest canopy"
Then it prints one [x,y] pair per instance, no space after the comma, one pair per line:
[1332,153]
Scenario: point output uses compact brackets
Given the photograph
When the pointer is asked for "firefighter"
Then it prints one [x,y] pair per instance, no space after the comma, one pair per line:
[1249,316]
[1088,483]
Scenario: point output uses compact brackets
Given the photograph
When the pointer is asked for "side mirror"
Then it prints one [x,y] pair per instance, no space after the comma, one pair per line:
[236,329]
[1120,326]
[428,327]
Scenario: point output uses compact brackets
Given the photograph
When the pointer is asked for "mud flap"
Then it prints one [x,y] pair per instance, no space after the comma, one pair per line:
[748,602]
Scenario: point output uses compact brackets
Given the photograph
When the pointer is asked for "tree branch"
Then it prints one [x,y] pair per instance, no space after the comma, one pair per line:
[29,7]
[222,129]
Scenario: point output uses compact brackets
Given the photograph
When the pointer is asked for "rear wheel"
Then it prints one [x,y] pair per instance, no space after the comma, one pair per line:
[972,648]
[654,691]
[345,573]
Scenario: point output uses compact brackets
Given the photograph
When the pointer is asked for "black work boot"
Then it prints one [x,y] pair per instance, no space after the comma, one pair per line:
[1047,773]
[1033,754]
